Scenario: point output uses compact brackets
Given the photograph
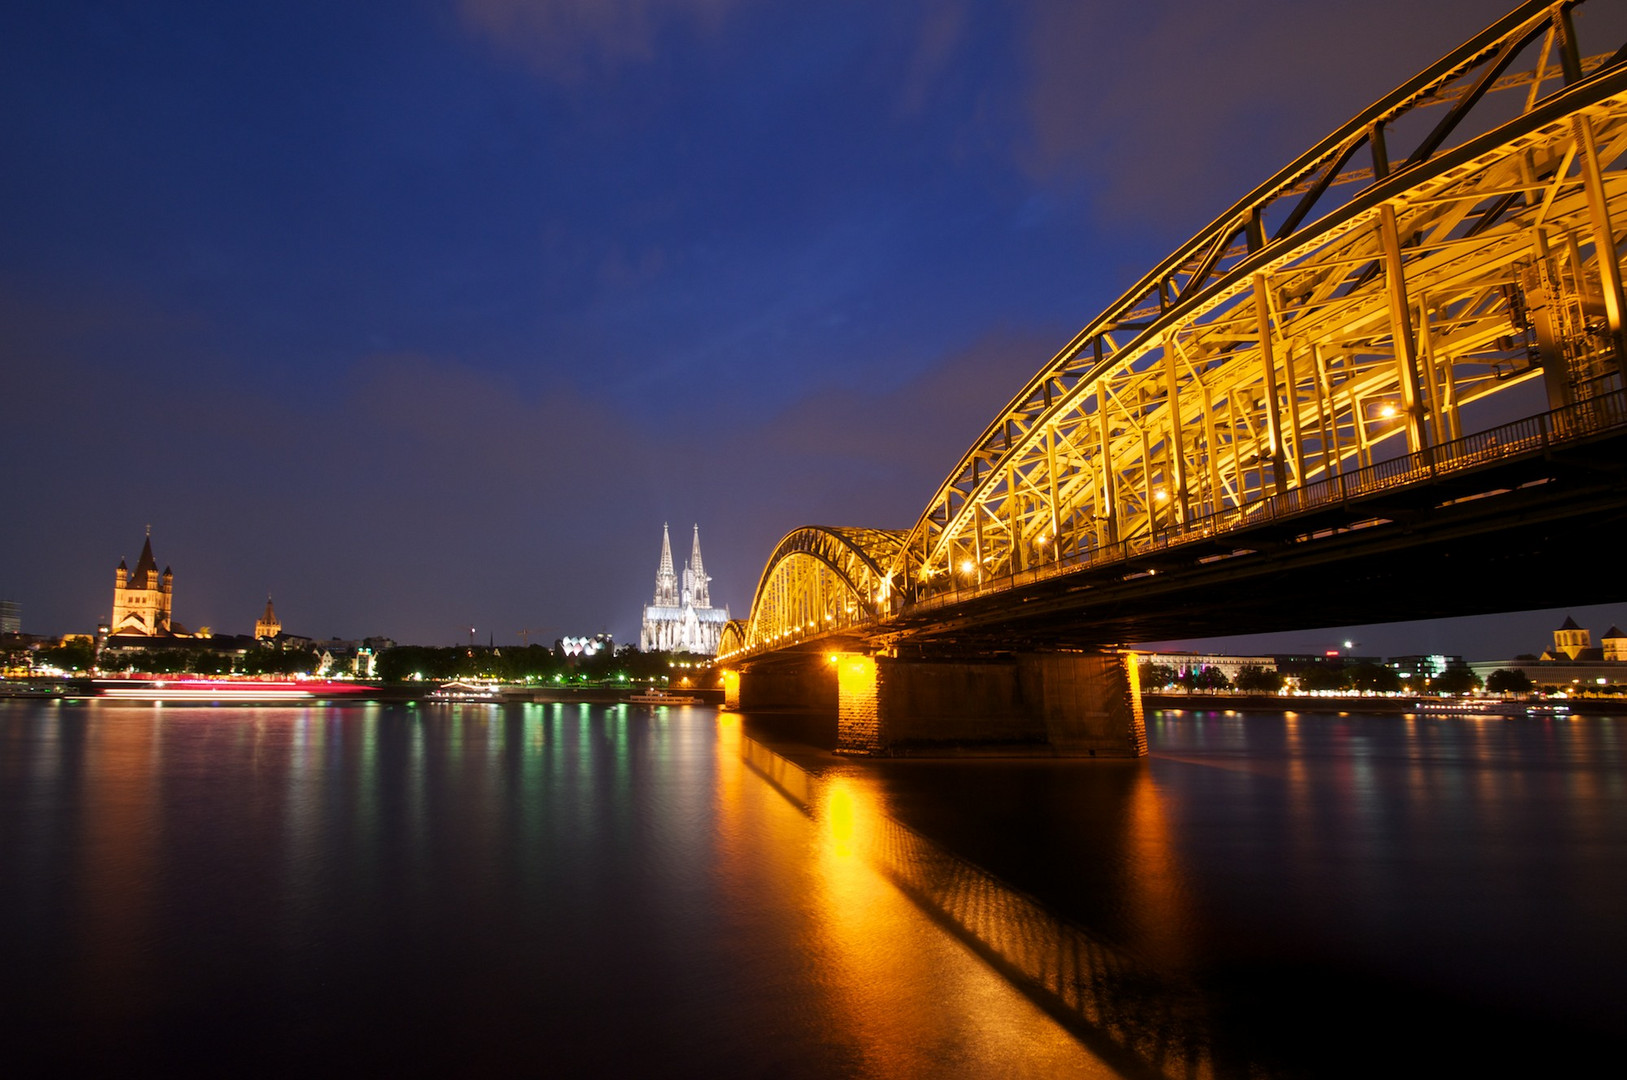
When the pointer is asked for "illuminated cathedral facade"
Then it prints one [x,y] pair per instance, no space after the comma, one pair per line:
[681,618]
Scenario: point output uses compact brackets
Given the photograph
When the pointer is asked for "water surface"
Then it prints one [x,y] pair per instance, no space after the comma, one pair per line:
[468,890]
[485,889]
[1338,893]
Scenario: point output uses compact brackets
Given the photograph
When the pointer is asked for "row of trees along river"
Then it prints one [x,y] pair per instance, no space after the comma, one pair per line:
[1376,678]
[535,663]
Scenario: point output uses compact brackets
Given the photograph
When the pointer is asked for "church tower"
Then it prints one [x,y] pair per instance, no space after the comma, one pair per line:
[1571,639]
[267,627]
[1614,644]
[142,598]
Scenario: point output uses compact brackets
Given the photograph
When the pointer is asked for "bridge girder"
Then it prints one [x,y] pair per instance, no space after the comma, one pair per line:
[1444,260]
[1274,349]
[819,580]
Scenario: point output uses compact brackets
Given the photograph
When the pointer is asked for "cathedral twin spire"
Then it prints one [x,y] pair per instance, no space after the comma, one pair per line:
[695,592]
[666,582]
[682,618]
[695,578]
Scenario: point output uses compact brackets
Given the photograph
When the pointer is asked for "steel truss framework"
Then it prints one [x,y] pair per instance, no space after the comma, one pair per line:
[1450,243]
[818,580]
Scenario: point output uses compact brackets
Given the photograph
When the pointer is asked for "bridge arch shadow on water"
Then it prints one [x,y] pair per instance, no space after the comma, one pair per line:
[1142,1020]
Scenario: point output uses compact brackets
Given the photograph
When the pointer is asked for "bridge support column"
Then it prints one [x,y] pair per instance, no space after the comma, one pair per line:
[1055,704]
[858,719]
[731,689]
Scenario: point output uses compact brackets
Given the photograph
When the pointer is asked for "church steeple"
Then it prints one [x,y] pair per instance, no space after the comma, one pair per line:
[268,626]
[142,598]
[147,565]
[666,580]
[695,578]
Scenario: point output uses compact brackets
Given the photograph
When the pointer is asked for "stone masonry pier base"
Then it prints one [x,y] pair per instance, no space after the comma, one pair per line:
[1055,704]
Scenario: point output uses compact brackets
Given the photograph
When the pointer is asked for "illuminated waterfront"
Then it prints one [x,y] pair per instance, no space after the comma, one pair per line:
[602,890]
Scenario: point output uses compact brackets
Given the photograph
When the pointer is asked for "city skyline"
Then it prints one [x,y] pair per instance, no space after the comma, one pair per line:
[1499,636]
[1040,376]
[423,324]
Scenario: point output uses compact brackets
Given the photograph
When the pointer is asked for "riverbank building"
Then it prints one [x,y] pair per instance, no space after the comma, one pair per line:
[1573,662]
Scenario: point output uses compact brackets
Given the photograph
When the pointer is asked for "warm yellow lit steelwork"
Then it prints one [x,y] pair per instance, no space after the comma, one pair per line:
[817,581]
[1336,331]
[1239,368]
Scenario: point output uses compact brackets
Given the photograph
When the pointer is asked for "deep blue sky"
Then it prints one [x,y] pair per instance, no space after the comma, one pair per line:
[425,315]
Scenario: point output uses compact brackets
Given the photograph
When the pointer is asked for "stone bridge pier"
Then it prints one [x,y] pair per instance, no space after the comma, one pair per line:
[1061,704]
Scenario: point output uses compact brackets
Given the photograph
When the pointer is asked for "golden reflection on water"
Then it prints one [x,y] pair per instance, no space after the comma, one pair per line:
[899,982]
[908,999]
[119,845]
[1155,886]
[1117,1001]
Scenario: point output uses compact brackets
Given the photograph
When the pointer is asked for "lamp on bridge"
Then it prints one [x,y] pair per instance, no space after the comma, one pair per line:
[971,570]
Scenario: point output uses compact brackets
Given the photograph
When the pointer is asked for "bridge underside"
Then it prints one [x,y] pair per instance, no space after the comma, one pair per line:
[1055,703]
[1533,534]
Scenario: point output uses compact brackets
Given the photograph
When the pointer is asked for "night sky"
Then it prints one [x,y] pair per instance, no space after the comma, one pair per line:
[428,315]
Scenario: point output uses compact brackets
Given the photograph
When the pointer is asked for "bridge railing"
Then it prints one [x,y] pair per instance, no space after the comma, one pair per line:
[1533,435]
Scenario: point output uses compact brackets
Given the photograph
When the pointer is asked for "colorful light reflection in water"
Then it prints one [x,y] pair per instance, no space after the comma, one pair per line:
[462,889]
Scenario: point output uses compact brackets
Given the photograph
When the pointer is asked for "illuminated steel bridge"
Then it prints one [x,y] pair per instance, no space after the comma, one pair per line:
[1387,383]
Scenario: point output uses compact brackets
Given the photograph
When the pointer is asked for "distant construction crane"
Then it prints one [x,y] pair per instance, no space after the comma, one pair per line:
[525,635]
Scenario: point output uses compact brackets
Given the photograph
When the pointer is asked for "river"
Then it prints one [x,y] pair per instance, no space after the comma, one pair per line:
[600,890]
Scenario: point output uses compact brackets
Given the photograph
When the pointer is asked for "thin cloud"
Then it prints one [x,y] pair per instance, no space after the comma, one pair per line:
[568,39]
[939,34]
[1170,112]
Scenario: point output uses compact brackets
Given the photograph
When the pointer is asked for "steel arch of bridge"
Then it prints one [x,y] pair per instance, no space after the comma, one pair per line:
[1276,348]
[1327,333]
[732,638]
[818,580]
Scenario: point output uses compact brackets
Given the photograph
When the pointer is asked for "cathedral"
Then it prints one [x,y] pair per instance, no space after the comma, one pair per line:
[682,620]
[142,598]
